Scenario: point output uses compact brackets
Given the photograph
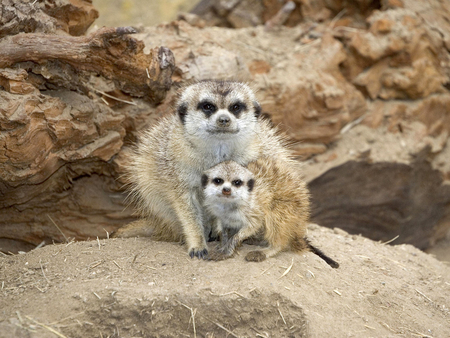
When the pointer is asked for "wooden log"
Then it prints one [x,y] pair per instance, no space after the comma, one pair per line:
[59,140]
[108,51]
[57,165]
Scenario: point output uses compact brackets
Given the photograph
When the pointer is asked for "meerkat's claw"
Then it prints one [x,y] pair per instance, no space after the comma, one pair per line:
[255,256]
[200,254]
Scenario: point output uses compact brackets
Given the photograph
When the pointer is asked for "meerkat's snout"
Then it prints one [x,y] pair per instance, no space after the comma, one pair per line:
[226,191]
[223,121]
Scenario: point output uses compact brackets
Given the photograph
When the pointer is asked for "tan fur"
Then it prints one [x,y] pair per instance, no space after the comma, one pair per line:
[165,169]
[278,206]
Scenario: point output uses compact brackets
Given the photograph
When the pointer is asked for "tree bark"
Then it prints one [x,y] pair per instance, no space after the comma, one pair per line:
[108,51]
[66,110]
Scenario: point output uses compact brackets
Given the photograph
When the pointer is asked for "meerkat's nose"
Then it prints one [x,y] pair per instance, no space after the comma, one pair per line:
[223,120]
[226,191]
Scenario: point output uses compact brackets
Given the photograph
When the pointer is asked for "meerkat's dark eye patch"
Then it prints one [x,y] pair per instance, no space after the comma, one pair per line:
[237,108]
[204,180]
[207,107]
[217,181]
[250,184]
[257,108]
[237,183]
[182,112]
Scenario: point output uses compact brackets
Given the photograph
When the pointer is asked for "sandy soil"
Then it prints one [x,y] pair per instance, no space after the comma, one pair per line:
[140,288]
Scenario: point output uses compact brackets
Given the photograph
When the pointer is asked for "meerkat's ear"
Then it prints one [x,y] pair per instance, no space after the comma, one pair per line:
[182,111]
[204,180]
[250,184]
[257,108]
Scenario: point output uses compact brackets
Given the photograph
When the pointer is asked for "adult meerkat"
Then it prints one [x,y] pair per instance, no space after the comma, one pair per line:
[215,121]
[267,197]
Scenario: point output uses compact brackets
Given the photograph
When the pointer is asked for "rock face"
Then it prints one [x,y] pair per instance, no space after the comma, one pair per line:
[306,95]
[400,57]
[360,87]
[383,200]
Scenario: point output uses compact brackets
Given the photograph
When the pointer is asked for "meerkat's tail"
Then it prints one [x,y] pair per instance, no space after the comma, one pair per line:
[331,262]
[302,244]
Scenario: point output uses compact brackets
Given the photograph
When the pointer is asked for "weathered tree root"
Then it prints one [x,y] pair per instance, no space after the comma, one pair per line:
[108,51]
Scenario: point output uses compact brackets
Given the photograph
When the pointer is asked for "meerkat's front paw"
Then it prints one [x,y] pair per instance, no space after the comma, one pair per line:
[200,253]
[255,256]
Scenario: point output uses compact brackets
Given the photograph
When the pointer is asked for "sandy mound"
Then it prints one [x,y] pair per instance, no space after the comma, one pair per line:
[139,288]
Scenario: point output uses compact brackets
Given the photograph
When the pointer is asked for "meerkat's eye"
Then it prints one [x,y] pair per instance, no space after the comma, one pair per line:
[237,183]
[237,107]
[207,107]
[217,181]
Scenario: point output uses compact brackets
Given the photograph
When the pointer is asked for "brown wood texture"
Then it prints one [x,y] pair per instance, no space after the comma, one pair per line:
[68,104]
[108,52]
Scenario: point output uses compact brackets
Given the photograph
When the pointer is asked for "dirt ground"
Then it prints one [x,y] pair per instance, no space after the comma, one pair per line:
[140,288]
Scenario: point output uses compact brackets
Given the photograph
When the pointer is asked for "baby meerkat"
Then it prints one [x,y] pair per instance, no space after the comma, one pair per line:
[268,197]
[216,121]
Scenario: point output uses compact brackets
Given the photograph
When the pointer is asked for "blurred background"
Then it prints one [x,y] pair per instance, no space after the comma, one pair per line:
[139,12]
